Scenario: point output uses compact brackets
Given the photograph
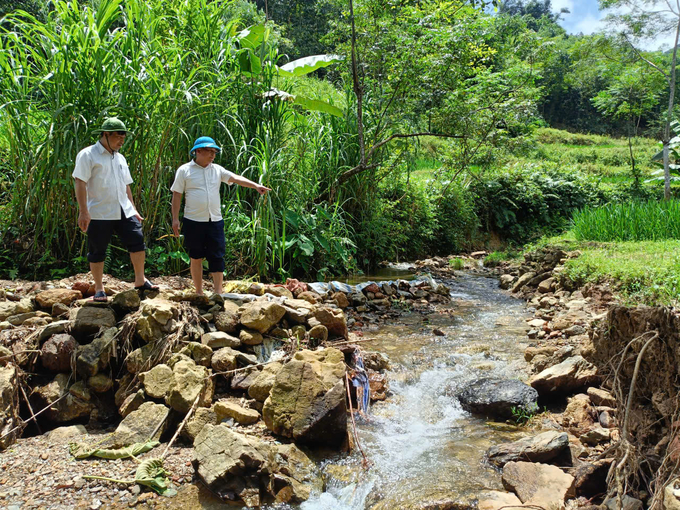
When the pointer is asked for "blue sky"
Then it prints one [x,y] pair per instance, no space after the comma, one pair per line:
[585,17]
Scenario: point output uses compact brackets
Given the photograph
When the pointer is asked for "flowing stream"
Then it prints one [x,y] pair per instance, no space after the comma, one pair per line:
[424,449]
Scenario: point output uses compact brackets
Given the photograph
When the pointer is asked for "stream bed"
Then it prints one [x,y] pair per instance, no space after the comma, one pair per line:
[423,448]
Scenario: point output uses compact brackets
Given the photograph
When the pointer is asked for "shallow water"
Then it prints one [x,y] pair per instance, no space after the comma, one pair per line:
[423,447]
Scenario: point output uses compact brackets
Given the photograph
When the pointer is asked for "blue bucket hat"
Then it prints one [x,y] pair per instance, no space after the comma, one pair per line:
[204,142]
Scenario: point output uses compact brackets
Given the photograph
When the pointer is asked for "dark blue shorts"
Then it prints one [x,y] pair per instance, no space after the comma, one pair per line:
[99,234]
[205,240]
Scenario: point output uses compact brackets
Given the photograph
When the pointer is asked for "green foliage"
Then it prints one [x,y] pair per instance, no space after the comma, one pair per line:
[456,263]
[494,258]
[522,415]
[633,221]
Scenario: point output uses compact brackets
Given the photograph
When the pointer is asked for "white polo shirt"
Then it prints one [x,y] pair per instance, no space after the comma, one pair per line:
[107,176]
[201,186]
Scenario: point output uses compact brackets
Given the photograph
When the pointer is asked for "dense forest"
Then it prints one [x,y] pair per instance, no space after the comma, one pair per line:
[388,130]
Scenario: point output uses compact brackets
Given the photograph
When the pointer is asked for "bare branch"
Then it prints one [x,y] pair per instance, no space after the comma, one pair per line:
[641,57]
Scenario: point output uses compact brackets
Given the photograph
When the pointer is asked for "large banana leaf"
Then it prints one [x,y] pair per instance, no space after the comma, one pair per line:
[252,37]
[306,65]
[305,102]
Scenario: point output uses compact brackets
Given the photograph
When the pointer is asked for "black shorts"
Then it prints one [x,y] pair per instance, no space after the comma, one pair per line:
[99,234]
[205,240]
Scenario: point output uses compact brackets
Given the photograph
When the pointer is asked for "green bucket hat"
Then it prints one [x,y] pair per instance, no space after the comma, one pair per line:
[112,124]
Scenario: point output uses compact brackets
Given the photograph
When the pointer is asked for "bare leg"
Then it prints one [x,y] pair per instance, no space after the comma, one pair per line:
[196,268]
[137,259]
[97,269]
[218,278]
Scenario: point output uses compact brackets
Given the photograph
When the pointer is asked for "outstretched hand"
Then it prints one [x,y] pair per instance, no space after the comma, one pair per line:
[262,190]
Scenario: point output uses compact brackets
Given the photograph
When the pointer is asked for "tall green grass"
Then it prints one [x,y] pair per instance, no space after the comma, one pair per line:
[633,221]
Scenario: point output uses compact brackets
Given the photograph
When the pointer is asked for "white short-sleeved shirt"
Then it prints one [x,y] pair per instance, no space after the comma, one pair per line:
[107,176]
[201,186]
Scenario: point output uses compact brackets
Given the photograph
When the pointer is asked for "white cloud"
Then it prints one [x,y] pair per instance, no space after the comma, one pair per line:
[557,5]
[589,24]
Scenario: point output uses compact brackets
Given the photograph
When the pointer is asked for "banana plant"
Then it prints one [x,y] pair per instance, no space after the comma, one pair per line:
[673,155]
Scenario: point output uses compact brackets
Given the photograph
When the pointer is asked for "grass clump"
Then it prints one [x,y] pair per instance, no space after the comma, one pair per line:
[456,263]
[633,221]
[495,258]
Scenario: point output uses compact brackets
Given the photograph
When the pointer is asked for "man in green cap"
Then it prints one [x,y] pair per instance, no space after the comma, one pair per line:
[105,201]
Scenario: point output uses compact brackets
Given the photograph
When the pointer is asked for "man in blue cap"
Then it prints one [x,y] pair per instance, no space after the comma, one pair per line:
[102,181]
[203,226]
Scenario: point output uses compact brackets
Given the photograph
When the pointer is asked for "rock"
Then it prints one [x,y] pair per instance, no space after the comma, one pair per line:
[158,381]
[671,495]
[224,359]
[139,360]
[69,408]
[83,287]
[522,281]
[575,330]
[591,478]
[296,472]
[358,298]
[595,436]
[18,320]
[506,281]
[55,328]
[341,299]
[262,385]
[47,298]
[243,380]
[538,484]
[199,419]
[333,319]
[63,434]
[79,390]
[57,352]
[226,409]
[607,419]
[261,315]
[100,383]
[318,334]
[601,397]
[378,385]
[531,352]
[89,320]
[578,413]
[232,464]
[297,315]
[376,361]
[219,339]
[311,297]
[540,448]
[95,356]
[9,308]
[190,380]
[496,500]
[132,402]
[546,285]
[307,401]
[497,397]
[200,353]
[566,377]
[9,405]
[536,323]
[160,309]
[140,426]
[249,337]
[628,503]
[227,321]
[126,301]
[278,291]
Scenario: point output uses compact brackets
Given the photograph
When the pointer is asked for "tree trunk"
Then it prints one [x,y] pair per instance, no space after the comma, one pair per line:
[667,126]
[358,89]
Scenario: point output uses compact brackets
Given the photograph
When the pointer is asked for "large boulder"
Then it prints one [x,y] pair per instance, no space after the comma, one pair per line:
[47,298]
[307,401]
[9,308]
[569,376]
[190,380]
[227,321]
[262,315]
[126,301]
[538,484]
[199,419]
[9,405]
[96,355]
[224,359]
[139,360]
[333,318]
[233,466]
[147,423]
[540,448]
[498,398]
[71,407]
[88,320]
[296,477]
[57,352]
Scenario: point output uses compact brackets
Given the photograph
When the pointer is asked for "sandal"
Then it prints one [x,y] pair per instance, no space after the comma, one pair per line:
[100,297]
[147,286]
